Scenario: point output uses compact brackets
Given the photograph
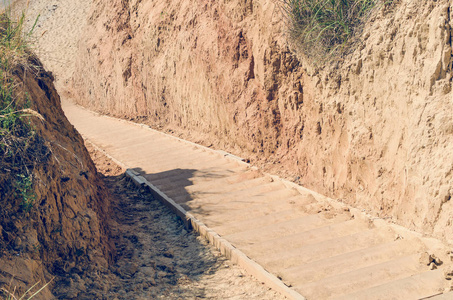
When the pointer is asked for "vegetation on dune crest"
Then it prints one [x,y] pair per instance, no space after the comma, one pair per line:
[20,147]
[321,28]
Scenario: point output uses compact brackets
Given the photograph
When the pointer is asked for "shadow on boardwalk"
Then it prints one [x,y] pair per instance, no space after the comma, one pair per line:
[175,184]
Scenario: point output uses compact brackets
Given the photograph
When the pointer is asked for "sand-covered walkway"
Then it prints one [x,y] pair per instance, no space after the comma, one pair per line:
[319,247]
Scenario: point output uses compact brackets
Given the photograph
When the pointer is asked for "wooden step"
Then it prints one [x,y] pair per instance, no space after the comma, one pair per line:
[242,194]
[368,277]
[229,190]
[178,154]
[292,257]
[125,148]
[259,222]
[205,179]
[205,209]
[196,163]
[137,141]
[252,211]
[282,229]
[347,262]
[307,237]
[428,284]
[211,179]
[228,169]
[233,183]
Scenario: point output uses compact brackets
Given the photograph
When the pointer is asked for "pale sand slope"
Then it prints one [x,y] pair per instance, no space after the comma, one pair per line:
[59,26]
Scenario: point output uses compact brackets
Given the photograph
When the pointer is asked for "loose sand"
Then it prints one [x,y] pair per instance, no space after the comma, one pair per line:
[59,24]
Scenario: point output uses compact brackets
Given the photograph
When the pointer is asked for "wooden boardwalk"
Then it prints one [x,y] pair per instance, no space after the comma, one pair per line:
[321,249]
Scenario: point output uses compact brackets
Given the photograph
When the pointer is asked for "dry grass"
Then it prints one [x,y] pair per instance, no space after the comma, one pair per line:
[10,293]
[20,147]
[322,29]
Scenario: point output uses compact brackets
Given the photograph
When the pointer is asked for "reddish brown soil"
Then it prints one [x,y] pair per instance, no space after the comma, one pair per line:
[65,230]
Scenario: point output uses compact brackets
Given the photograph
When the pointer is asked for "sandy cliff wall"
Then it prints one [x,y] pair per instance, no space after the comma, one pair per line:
[374,130]
[65,232]
[395,98]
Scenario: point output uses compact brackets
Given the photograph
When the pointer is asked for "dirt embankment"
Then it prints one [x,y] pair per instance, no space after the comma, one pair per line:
[65,232]
[374,129]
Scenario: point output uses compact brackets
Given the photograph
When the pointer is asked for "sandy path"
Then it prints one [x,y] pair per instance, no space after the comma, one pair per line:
[157,257]
[319,247]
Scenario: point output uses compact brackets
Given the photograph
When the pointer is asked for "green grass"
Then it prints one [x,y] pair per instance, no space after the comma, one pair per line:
[17,136]
[21,149]
[322,28]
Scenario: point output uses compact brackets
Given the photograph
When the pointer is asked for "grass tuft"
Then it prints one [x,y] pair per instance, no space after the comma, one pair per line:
[20,147]
[324,28]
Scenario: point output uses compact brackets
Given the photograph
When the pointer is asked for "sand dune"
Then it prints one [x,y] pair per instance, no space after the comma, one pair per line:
[58,28]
